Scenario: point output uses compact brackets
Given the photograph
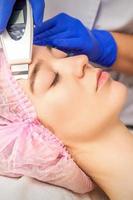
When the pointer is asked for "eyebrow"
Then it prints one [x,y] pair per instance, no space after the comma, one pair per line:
[35,71]
[34,74]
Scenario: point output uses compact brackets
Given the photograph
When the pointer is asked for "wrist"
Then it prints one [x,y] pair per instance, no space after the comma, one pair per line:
[108,48]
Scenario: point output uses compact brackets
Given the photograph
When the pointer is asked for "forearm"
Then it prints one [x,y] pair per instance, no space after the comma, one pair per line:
[124,62]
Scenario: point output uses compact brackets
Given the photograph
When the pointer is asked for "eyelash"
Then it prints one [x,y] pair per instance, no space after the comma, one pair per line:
[56,79]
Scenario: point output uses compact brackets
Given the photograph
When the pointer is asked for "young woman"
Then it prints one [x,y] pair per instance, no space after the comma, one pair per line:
[80,105]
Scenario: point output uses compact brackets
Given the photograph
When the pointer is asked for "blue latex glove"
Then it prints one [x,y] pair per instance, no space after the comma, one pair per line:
[70,35]
[6,7]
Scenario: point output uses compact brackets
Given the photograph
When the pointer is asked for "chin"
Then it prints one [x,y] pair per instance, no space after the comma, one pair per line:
[119,95]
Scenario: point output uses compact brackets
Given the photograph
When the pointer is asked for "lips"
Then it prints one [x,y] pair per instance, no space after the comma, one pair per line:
[102,77]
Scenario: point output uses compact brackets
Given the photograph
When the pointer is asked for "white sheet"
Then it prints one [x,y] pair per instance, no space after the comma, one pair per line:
[26,188]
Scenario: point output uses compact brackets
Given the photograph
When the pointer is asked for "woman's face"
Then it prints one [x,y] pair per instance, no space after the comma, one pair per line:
[71,97]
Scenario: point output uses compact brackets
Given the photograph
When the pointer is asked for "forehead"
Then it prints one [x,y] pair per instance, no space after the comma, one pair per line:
[40,53]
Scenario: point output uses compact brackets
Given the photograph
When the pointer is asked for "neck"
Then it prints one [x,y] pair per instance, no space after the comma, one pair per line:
[108,160]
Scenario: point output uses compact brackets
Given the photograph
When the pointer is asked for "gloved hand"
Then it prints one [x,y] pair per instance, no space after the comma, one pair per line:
[6,7]
[70,35]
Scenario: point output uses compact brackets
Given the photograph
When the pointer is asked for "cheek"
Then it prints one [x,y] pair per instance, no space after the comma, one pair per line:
[109,104]
[69,110]
[60,105]
[113,98]
[118,96]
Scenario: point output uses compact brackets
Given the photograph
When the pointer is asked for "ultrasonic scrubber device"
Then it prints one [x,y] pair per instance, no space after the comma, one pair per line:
[17,39]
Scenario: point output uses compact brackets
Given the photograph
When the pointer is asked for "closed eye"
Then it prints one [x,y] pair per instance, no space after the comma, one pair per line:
[55,80]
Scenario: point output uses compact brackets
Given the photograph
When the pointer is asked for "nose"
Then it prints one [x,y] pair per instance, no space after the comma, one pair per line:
[79,65]
[75,65]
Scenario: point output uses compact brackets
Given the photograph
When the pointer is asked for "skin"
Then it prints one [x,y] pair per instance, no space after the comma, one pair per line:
[74,94]
[85,116]
[124,61]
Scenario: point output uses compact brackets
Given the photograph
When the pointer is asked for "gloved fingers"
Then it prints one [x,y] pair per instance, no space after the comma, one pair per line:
[6,7]
[48,43]
[67,50]
[38,10]
[44,42]
[69,44]
[40,43]
[45,26]
[62,44]
[49,33]
[58,35]
[56,21]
